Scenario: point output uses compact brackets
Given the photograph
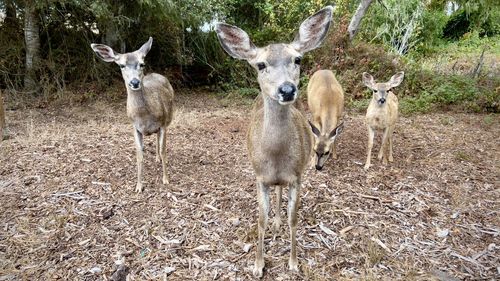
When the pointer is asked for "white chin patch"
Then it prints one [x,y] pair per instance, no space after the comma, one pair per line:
[286,102]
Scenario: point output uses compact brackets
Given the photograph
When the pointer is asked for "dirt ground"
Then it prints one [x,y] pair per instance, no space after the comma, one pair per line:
[69,211]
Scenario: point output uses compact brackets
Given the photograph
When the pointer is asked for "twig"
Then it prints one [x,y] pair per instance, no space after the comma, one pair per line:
[466,259]
[351,212]
[374,198]
[67,193]
[381,244]
[100,183]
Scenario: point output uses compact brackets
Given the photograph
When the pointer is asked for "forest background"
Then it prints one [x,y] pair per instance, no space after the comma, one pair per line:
[450,50]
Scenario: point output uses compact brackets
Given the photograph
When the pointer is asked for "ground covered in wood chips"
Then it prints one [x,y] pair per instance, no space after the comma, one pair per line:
[69,211]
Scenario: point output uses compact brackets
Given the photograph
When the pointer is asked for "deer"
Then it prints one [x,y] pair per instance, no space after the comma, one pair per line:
[149,102]
[382,114]
[279,139]
[325,99]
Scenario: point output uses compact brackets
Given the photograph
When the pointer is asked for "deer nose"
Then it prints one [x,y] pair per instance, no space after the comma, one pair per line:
[287,91]
[381,101]
[134,83]
[319,168]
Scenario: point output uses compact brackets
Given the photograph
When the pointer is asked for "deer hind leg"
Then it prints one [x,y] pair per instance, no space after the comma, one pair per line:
[371,135]
[158,142]
[383,146]
[293,206]
[163,152]
[139,145]
[277,211]
[263,198]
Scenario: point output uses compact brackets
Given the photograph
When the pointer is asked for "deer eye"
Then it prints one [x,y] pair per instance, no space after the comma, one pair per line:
[261,65]
[142,65]
[298,60]
[326,153]
[122,66]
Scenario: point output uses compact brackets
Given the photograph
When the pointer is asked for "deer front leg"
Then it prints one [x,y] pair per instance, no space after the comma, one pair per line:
[334,149]
[158,143]
[391,159]
[293,206]
[371,135]
[163,153]
[263,198]
[139,145]
[277,215]
[383,146]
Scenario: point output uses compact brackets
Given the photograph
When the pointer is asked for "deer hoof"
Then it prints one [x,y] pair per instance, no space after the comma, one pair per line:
[293,265]
[158,159]
[165,180]
[366,167]
[391,159]
[139,188]
[258,270]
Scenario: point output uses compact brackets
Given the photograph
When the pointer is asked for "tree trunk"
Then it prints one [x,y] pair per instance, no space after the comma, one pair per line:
[10,14]
[2,117]
[357,17]
[32,41]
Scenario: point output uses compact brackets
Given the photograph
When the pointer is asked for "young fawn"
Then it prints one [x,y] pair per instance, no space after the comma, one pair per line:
[325,98]
[279,140]
[382,114]
[149,102]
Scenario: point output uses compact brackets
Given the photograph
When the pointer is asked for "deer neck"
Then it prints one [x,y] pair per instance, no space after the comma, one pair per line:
[277,117]
[135,98]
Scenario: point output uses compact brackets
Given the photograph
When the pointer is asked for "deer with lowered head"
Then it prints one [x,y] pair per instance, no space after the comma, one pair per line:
[382,114]
[149,102]
[325,98]
[279,140]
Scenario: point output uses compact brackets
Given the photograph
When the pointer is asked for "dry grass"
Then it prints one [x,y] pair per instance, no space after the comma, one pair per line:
[69,211]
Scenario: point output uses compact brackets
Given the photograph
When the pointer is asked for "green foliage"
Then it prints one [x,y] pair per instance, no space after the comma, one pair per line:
[431,91]
[480,11]
[396,24]
[395,35]
[461,23]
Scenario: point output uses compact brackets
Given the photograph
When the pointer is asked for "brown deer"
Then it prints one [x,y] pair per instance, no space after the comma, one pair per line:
[279,139]
[149,102]
[325,98]
[382,114]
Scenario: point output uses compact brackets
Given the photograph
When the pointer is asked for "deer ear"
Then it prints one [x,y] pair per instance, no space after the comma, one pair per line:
[144,49]
[396,79]
[313,30]
[315,130]
[337,130]
[104,52]
[368,80]
[235,41]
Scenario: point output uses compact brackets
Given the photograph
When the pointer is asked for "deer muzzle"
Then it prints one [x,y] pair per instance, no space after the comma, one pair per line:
[135,84]
[287,92]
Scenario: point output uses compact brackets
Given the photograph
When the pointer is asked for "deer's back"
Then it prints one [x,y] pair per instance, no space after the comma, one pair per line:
[152,107]
[280,157]
[325,98]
